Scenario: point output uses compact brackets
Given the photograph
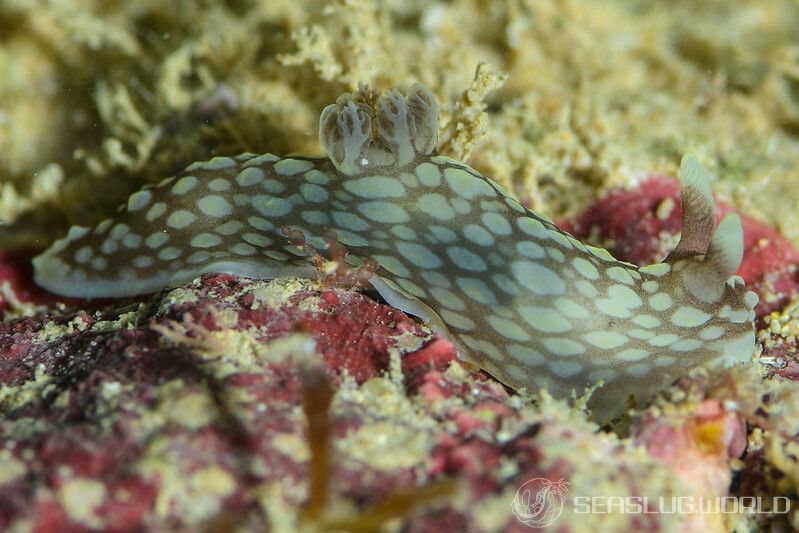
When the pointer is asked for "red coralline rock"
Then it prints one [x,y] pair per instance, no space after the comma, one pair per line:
[184,412]
[636,225]
[79,392]
[417,367]
[632,223]
[697,445]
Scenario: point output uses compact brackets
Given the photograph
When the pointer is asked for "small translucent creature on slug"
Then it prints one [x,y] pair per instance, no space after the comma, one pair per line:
[522,300]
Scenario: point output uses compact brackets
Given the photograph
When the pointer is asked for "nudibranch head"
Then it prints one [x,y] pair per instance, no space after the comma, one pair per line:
[522,299]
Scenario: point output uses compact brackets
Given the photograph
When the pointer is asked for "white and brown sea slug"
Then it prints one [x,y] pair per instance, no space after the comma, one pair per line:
[523,300]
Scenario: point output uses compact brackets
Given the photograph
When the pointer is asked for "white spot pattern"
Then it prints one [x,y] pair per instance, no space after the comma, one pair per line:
[139,200]
[184,185]
[180,219]
[419,255]
[465,259]
[375,187]
[214,205]
[155,211]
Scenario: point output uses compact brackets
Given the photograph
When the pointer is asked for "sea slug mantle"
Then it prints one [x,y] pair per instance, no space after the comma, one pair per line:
[522,299]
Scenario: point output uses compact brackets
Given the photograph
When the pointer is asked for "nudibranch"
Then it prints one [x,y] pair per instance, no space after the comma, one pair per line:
[521,299]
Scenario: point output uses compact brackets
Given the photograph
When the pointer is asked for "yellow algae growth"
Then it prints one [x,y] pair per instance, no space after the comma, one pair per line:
[81,497]
[571,98]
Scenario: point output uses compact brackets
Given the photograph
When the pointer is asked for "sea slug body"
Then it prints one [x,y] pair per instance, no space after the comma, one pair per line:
[523,300]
